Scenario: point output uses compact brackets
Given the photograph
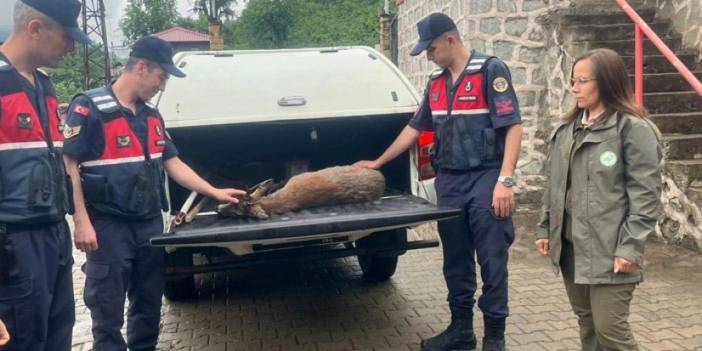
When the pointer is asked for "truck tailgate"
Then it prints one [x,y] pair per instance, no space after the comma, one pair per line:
[390,211]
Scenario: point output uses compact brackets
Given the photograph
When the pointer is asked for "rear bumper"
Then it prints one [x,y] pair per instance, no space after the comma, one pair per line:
[236,262]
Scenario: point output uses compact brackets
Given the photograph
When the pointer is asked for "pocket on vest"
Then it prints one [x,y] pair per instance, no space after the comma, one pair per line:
[95,188]
[42,187]
[489,144]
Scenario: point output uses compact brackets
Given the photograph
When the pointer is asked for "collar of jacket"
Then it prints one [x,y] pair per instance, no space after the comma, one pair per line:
[602,131]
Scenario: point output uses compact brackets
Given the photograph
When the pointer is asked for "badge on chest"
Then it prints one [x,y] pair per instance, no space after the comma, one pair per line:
[24,120]
[124,141]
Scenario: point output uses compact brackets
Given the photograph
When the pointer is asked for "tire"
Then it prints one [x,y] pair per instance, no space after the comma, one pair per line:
[179,288]
[379,266]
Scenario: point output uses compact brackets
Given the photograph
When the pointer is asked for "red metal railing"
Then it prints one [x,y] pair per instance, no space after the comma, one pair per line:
[642,28]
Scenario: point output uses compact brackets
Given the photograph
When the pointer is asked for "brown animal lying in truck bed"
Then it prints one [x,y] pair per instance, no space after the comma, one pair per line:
[329,186]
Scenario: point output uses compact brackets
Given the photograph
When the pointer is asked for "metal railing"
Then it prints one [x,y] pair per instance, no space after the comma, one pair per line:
[642,29]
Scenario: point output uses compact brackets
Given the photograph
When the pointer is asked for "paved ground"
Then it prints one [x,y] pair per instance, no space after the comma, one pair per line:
[326,306]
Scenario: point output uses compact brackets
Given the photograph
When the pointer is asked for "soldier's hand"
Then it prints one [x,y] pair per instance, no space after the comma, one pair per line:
[503,200]
[228,195]
[623,266]
[4,334]
[85,237]
[367,164]
[542,246]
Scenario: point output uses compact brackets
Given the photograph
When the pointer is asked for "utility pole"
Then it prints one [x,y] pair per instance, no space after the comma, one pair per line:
[96,58]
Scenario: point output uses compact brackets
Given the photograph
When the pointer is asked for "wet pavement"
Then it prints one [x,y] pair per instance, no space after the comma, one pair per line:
[328,306]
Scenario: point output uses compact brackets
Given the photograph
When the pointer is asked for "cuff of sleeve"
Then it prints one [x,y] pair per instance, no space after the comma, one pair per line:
[629,255]
[505,121]
[541,232]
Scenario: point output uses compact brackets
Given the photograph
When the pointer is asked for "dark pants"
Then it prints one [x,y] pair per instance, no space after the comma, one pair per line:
[36,299]
[479,232]
[125,264]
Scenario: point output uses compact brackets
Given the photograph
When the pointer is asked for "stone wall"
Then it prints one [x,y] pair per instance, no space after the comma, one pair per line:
[519,32]
[686,16]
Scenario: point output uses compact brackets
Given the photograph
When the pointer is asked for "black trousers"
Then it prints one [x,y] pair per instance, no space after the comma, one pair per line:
[125,265]
[478,232]
[36,298]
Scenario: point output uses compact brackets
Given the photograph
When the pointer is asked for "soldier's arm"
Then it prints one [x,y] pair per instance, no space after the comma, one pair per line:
[186,177]
[408,136]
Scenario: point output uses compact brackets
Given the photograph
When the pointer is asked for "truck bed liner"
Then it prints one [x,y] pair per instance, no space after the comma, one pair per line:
[387,212]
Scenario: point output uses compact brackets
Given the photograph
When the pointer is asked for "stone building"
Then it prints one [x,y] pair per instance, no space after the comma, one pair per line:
[539,40]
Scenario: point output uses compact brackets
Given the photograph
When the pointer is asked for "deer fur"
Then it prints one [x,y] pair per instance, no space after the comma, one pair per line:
[329,186]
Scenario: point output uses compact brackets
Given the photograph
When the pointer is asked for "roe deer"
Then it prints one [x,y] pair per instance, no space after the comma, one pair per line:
[329,186]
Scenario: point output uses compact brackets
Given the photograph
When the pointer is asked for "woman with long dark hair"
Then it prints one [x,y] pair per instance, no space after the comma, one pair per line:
[602,198]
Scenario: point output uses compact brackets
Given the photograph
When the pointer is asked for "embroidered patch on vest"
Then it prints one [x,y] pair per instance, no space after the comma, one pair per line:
[158,130]
[608,159]
[469,86]
[71,132]
[124,141]
[500,84]
[24,120]
[160,142]
[435,96]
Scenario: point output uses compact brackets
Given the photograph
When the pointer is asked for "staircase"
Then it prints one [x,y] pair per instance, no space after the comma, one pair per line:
[674,107]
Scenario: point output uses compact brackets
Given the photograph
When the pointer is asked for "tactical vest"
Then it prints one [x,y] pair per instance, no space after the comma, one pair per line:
[34,187]
[464,137]
[128,179]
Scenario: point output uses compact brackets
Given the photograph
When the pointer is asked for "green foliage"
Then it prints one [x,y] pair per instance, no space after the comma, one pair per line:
[199,24]
[307,23]
[222,9]
[68,78]
[145,17]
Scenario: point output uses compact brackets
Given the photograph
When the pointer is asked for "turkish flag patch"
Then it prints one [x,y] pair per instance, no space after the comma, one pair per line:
[504,105]
[82,110]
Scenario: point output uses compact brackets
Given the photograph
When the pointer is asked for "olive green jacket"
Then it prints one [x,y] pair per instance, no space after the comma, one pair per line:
[615,190]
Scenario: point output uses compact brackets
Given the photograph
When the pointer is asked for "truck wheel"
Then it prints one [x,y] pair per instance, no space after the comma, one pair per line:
[182,287]
[377,267]
[380,266]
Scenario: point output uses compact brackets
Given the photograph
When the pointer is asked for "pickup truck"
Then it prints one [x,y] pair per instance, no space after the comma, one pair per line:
[240,117]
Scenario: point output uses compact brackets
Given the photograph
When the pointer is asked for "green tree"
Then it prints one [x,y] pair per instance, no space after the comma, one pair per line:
[216,10]
[145,17]
[305,23]
[265,24]
[68,77]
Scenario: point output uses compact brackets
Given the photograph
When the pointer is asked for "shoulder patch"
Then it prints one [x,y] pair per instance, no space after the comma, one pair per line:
[82,110]
[70,132]
[500,84]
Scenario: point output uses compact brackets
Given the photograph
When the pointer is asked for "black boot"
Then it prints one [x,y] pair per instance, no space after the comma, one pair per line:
[458,336]
[494,339]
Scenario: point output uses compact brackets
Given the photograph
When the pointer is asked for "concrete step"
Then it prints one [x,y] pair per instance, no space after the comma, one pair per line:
[615,16]
[626,47]
[686,173]
[667,82]
[673,102]
[683,146]
[660,64]
[620,31]
[679,123]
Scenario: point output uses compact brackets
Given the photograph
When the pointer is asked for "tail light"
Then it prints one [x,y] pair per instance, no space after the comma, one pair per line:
[425,143]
